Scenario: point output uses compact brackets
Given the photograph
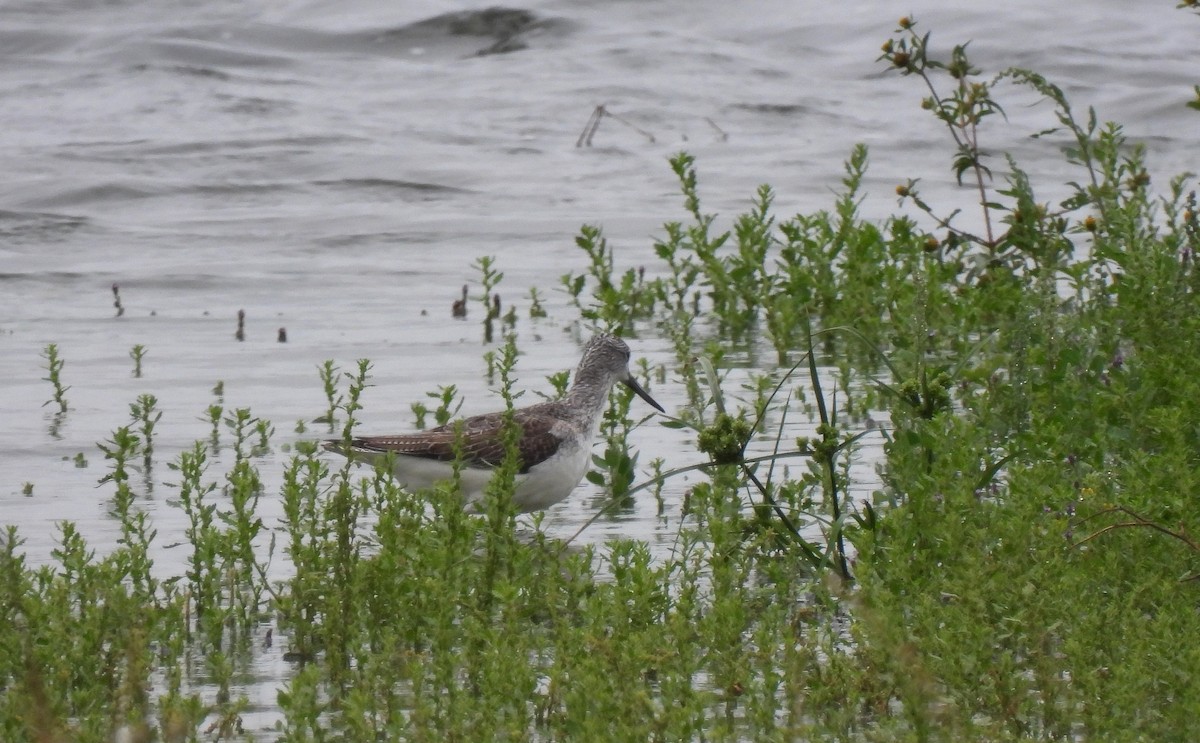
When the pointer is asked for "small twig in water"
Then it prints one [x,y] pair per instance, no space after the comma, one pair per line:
[724,135]
[459,308]
[593,125]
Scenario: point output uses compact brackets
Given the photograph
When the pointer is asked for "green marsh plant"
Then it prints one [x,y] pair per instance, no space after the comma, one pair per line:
[490,277]
[146,415]
[536,310]
[137,353]
[614,303]
[215,412]
[203,574]
[241,570]
[54,366]
[263,431]
[420,413]
[329,378]
[448,403]
[560,382]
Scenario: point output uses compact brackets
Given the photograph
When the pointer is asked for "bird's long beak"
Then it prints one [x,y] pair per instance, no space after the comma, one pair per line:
[632,384]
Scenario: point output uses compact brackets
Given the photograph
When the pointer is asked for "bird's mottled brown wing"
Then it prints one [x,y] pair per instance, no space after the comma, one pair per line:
[481,443]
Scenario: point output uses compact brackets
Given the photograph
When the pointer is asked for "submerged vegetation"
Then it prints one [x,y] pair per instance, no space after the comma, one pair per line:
[1027,569]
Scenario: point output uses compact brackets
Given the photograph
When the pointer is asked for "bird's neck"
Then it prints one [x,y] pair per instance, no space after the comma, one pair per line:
[589,395]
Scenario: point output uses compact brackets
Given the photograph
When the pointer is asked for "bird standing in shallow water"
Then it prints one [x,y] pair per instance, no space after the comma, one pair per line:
[554,447]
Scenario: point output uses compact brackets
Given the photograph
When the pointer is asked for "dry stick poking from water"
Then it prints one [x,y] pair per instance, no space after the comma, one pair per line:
[593,124]
[241,329]
[589,129]
[459,308]
[117,300]
[724,135]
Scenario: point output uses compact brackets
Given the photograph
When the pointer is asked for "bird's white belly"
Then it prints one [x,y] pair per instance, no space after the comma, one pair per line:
[544,485]
[552,480]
